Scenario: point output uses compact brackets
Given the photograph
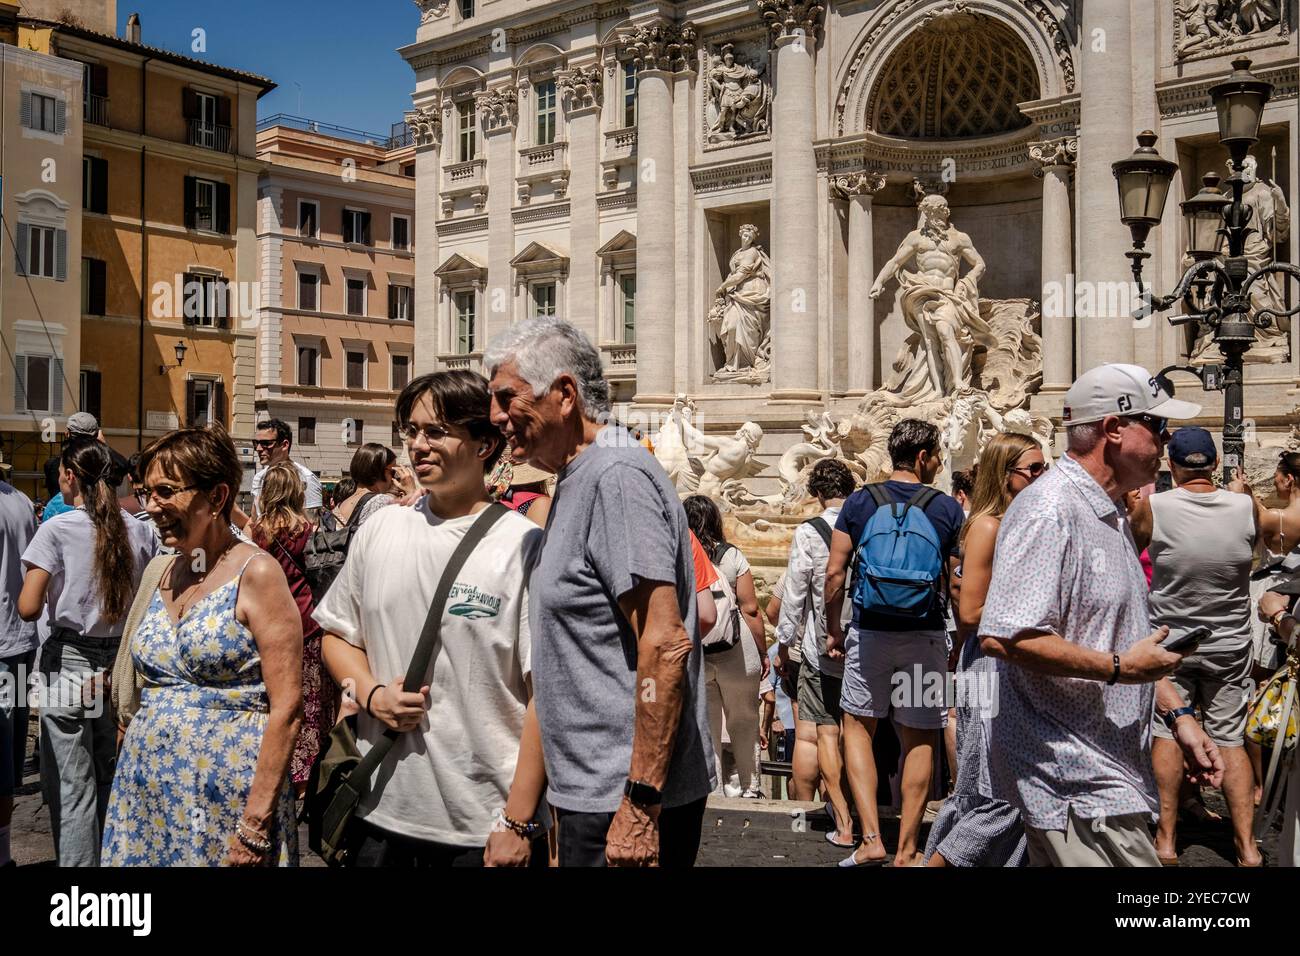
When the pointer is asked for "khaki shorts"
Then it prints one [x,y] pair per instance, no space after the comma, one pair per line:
[1217,683]
[1105,841]
[819,697]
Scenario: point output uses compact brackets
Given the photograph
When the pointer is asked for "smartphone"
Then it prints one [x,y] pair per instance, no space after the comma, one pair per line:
[1187,640]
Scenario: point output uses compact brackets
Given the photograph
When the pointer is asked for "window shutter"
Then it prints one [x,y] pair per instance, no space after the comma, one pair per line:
[365,228]
[99,185]
[60,117]
[94,382]
[223,208]
[189,104]
[27,109]
[191,201]
[190,292]
[189,403]
[20,251]
[99,80]
[223,304]
[20,383]
[56,385]
[392,301]
[98,304]
[223,110]
[61,254]
[219,403]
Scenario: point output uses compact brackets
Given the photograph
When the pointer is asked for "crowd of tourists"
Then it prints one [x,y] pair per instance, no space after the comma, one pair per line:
[527,650]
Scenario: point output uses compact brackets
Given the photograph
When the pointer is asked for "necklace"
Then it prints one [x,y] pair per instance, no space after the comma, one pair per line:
[192,590]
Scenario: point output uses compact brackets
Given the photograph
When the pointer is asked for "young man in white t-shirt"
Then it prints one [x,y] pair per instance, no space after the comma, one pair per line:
[463,785]
[272,443]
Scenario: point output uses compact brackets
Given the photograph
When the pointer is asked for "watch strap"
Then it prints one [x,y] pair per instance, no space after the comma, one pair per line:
[643,794]
[1171,718]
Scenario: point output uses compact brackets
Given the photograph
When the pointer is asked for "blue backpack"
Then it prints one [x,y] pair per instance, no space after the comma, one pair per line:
[899,567]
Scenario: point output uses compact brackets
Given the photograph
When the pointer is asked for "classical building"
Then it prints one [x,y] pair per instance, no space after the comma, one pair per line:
[40,250]
[168,252]
[720,195]
[336,331]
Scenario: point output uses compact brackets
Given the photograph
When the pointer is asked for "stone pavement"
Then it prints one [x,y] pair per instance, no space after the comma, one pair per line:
[736,832]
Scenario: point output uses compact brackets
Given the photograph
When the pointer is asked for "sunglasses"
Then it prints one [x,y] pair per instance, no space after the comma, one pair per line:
[1157,425]
[162,492]
[1032,470]
[265,442]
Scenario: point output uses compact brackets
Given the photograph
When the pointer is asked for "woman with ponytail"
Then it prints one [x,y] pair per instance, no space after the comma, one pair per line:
[82,569]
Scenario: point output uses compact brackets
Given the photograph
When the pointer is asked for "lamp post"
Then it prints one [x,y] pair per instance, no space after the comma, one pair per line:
[1215,289]
[180,349]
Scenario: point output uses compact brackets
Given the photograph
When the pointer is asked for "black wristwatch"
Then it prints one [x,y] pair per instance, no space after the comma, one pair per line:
[642,794]
[1171,718]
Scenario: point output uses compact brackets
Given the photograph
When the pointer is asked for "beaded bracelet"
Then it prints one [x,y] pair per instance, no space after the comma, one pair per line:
[254,841]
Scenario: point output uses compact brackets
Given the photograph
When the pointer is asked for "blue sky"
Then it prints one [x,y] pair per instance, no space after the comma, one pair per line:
[341,53]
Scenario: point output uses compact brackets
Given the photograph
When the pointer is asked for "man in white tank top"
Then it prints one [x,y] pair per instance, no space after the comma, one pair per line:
[1202,541]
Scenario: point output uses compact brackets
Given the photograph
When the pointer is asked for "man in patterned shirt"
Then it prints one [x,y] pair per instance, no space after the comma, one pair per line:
[1067,615]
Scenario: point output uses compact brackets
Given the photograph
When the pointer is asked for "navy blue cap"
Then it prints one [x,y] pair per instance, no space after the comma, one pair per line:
[1192,447]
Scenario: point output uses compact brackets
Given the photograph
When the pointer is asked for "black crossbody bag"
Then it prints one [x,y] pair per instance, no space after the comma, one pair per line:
[341,776]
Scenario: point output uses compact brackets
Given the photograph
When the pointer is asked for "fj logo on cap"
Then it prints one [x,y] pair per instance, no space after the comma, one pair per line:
[1124,403]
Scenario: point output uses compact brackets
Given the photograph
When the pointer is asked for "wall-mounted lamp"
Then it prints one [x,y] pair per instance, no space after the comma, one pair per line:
[181,349]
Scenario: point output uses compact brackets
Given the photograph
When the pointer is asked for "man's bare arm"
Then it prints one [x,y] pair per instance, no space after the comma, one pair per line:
[1046,653]
[663,648]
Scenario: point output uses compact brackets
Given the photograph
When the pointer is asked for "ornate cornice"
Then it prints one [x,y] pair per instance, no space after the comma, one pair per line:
[1061,152]
[1187,98]
[426,124]
[792,18]
[579,86]
[754,172]
[624,199]
[550,210]
[661,45]
[857,184]
[498,106]
[456,227]
[931,162]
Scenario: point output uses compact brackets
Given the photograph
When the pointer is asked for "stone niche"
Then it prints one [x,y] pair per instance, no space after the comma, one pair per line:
[723,231]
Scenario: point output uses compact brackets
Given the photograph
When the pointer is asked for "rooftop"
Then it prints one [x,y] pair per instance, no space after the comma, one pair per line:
[398,136]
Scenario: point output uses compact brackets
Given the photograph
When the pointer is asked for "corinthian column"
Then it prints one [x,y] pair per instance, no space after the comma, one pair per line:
[580,90]
[659,49]
[1106,134]
[498,110]
[794,26]
[1056,164]
[425,122]
[858,189]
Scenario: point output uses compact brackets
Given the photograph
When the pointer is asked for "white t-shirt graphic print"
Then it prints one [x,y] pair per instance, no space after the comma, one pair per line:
[443,781]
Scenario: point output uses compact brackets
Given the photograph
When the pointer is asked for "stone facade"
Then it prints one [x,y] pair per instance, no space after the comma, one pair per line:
[823,125]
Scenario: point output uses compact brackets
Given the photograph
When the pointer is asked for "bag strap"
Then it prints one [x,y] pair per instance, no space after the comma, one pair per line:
[424,650]
[879,495]
[921,499]
[124,694]
[356,512]
[822,527]
[275,539]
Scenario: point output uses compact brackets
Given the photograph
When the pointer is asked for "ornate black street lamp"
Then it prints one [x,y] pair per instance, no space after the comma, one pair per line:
[180,349]
[1215,289]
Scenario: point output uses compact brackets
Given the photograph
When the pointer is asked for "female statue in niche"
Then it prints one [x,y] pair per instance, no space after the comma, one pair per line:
[739,318]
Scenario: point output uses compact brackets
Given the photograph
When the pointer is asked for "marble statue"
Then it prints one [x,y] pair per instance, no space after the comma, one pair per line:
[1210,26]
[739,100]
[1201,26]
[739,319]
[712,465]
[1270,221]
[939,304]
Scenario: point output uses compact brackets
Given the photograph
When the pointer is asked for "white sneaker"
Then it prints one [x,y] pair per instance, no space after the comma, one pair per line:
[732,789]
[753,795]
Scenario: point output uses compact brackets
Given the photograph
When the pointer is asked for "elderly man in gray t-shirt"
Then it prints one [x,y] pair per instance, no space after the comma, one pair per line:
[1201,539]
[616,661]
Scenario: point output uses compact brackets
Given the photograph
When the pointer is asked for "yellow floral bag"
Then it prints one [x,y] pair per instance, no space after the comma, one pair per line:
[1274,706]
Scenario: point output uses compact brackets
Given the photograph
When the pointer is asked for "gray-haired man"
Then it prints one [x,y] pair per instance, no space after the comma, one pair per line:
[616,661]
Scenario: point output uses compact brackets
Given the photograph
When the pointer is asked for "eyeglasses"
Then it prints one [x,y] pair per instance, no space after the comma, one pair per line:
[162,492]
[433,434]
[1157,425]
[1033,469]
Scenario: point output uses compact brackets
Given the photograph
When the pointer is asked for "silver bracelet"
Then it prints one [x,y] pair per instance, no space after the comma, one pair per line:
[253,841]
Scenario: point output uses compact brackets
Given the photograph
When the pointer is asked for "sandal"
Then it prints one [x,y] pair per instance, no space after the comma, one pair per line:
[1195,810]
[852,860]
[830,838]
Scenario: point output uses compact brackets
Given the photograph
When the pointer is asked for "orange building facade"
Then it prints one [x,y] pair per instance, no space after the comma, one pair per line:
[336,234]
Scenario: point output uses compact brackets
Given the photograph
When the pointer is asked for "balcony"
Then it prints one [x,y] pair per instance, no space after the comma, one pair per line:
[96,109]
[543,164]
[620,149]
[454,361]
[464,179]
[209,136]
[620,361]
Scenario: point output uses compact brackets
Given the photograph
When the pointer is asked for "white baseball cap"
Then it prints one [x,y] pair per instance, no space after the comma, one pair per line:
[1123,390]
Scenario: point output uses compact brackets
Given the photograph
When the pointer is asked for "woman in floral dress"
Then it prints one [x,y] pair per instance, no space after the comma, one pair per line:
[203,775]
[282,530]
